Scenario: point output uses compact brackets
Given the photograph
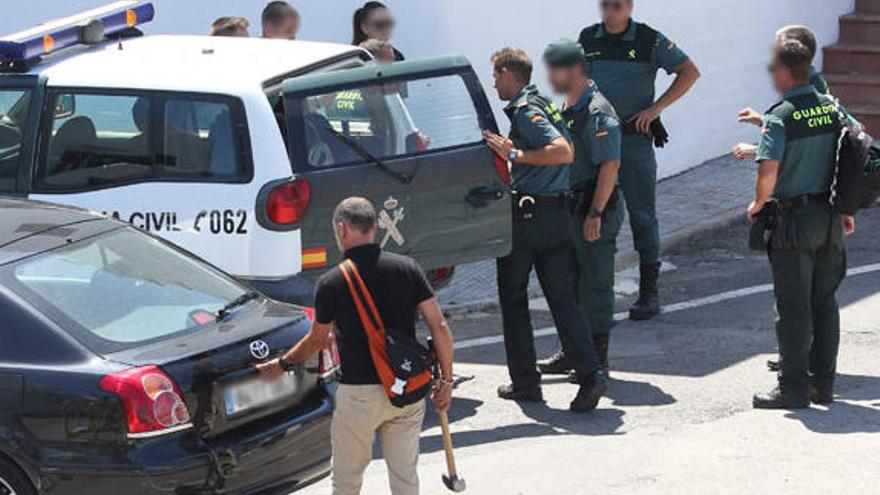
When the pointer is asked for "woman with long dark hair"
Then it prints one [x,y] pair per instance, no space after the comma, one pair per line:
[374,21]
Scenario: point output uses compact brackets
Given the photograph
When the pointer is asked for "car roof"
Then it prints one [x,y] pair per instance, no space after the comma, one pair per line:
[188,63]
[43,225]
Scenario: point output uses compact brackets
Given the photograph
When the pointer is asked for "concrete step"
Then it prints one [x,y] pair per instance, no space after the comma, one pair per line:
[869,115]
[868,6]
[856,88]
[852,57]
[860,28]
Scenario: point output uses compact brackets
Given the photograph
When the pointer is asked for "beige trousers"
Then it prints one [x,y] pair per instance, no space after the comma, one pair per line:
[361,412]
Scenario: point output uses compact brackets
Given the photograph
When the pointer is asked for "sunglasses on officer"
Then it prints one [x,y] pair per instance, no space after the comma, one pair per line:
[612,5]
[384,24]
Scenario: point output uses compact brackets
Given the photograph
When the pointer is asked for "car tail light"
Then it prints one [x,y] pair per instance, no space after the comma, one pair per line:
[152,402]
[329,358]
[310,312]
[287,203]
[503,169]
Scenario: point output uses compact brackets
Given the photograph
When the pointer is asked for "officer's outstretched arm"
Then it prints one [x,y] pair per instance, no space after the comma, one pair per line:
[558,151]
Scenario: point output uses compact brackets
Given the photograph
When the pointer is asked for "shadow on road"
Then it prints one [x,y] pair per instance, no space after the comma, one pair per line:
[546,422]
[843,417]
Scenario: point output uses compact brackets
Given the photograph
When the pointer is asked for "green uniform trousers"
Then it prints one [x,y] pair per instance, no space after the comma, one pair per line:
[595,263]
[638,181]
[808,258]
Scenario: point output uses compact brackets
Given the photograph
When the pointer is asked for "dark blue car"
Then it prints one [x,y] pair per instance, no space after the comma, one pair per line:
[127,368]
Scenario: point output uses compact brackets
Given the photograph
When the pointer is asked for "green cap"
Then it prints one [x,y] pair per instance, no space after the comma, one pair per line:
[563,53]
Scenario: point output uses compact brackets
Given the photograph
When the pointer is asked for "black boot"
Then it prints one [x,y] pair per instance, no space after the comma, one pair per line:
[601,343]
[821,392]
[647,305]
[556,365]
[784,396]
[592,389]
[518,394]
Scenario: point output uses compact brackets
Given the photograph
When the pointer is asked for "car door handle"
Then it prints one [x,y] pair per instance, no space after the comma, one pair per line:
[480,197]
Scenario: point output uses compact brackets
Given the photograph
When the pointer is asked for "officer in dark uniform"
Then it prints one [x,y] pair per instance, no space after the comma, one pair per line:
[598,206]
[746,151]
[623,58]
[540,153]
[797,153]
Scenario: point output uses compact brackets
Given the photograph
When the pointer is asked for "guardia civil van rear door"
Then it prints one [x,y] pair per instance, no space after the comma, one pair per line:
[407,136]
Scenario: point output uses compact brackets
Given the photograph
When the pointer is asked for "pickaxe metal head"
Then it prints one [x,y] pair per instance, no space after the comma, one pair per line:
[454,483]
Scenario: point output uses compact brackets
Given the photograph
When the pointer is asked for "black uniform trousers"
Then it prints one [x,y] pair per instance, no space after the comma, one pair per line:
[543,242]
[808,258]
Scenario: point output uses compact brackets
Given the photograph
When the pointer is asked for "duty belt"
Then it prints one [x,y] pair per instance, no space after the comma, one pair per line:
[804,200]
[523,200]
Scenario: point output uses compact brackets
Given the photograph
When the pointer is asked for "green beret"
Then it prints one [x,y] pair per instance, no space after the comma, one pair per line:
[563,53]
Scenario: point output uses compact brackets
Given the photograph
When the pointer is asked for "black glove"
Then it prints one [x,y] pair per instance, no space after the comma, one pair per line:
[658,132]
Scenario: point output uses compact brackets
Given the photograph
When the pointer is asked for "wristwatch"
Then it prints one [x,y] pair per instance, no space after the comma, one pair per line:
[513,155]
[594,213]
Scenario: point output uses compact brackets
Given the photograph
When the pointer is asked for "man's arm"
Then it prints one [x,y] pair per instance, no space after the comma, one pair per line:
[309,346]
[768,172]
[556,152]
[605,185]
[442,337]
[686,76]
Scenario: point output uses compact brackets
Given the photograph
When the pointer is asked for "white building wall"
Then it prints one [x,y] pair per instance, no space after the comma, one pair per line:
[728,39]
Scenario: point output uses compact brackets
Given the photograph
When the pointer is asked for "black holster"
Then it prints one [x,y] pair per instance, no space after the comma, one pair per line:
[582,200]
[763,226]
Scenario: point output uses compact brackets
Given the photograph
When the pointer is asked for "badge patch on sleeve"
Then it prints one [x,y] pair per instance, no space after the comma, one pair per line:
[537,118]
[602,134]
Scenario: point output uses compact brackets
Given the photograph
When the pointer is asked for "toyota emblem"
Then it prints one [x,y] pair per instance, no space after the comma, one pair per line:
[259,349]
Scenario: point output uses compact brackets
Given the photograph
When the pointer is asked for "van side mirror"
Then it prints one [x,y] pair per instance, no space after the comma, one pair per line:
[65,106]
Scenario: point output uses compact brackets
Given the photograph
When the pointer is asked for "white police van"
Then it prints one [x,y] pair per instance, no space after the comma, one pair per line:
[238,149]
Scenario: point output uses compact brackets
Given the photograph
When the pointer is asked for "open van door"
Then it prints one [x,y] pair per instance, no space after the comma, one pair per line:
[407,136]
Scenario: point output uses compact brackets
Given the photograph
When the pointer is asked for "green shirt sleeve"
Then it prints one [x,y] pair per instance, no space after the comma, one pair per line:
[772,143]
[535,128]
[668,55]
[604,138]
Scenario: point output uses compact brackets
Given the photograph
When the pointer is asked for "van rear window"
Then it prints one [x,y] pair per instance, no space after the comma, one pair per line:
[98,140]
[388,120]
[14,107]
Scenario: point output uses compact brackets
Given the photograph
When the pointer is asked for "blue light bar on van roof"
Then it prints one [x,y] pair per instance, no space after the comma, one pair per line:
[89,27]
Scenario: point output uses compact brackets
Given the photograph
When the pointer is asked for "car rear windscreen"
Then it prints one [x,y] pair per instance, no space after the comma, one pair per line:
[122,289]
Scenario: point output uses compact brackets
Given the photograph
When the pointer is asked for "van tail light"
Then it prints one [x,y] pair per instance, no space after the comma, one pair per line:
[503,169]
[287,203]
[152,402]
[328,360]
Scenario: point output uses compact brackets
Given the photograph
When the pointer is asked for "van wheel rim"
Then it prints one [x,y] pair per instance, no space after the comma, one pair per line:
[5,489]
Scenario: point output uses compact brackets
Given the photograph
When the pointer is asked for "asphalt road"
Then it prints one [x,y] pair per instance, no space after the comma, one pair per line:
[678,416]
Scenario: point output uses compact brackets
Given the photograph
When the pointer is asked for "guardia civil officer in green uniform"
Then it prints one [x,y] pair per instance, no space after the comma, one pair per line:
[797,153]
[598,206]
[623,58]
[540,154]
[746,151]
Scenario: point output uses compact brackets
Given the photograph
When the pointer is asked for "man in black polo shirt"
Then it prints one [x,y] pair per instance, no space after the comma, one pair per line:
[363,409]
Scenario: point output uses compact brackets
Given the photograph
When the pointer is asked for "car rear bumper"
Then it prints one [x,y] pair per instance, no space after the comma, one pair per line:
[273,460]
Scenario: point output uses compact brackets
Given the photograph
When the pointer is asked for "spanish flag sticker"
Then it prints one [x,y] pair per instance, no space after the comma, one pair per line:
[314,258]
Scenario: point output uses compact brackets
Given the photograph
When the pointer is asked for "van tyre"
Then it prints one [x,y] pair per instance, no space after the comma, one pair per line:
[13,481]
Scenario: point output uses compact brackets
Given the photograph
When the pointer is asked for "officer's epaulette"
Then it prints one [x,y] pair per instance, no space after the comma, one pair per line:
[775,106]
